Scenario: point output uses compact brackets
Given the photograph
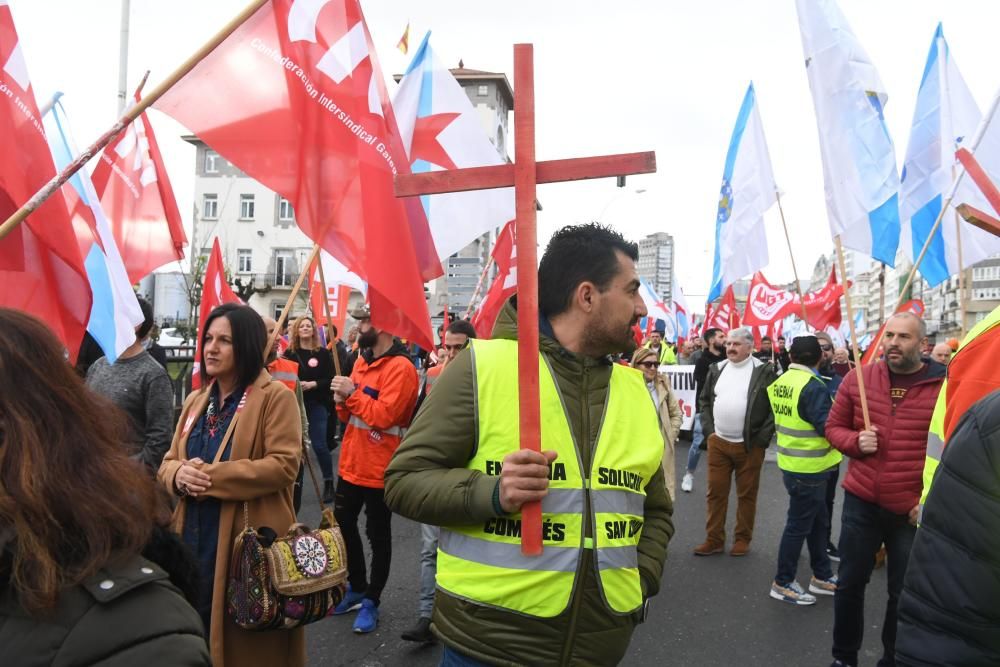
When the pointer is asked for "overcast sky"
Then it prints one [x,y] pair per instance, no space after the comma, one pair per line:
[660,75]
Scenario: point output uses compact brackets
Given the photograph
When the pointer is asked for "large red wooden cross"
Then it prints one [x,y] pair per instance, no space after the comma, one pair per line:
[524,174]
[972,215]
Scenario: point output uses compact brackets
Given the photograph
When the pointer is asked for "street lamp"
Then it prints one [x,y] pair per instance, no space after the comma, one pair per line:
[618,196]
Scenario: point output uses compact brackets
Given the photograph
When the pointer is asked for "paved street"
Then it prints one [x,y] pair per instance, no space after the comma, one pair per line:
[710,611]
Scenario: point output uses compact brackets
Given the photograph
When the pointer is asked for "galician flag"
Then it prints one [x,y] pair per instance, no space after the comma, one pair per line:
[859,159]
[658,310]
[114,312]
[945,119]
[748,190]
[440,129]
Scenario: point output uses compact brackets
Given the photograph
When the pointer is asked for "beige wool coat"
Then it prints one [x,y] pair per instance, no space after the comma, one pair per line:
[263,464]
[670,426]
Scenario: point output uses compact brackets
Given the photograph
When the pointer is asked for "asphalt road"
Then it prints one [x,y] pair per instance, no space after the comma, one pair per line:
[710,611]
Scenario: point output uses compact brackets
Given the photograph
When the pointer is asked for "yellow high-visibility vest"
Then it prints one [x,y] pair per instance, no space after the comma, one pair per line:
[800,448]
[483,562]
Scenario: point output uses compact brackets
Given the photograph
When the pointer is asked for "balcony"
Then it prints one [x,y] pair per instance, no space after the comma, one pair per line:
[268,280]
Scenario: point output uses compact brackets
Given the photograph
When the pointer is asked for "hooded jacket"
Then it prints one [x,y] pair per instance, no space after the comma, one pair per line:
[427,481]
[376,414]
[892,477]
[948,611]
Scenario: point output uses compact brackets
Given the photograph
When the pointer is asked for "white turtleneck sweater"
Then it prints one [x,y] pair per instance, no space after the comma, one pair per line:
[730,407]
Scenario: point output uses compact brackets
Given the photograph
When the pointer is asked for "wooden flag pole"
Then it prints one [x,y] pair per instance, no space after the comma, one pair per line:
[329,317]
[854,334]
[479,287]
[291,299]
[961,275]
[791,255]
[529,410]
[127,118]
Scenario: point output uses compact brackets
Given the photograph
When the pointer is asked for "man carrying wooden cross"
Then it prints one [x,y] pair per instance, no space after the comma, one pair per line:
[599,477]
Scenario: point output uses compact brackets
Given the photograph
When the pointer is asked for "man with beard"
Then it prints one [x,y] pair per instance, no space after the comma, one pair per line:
[884,477]
[738,423]
[377,403]
[715,350]
[605,509]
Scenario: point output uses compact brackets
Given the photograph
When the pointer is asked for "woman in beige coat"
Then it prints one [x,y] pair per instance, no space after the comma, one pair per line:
[667,407]
[238,439]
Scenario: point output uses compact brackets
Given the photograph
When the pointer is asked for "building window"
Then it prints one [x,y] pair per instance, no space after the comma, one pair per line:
[244,258]
[283,268]
[246,207]
[484,91]
[211,162]
[210,207]
[285,211]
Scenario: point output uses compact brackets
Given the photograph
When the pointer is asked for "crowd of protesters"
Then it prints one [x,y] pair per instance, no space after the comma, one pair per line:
[429,437]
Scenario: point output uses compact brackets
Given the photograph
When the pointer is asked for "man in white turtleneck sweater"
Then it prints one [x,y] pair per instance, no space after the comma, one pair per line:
[738,423]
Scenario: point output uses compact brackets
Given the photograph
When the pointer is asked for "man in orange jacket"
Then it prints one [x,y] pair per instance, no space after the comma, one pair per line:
[377,403]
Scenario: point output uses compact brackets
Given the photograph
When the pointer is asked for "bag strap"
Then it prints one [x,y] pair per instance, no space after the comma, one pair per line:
[232,425]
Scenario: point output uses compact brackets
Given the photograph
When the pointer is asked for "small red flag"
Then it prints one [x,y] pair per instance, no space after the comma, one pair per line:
[404,42]
[503,287]
[915,306]
[766,303]
[727,315]
[215,291]
[136,195]
[41,267]
[823,305]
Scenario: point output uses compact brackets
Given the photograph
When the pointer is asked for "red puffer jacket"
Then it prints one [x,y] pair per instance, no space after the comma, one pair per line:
[892,476]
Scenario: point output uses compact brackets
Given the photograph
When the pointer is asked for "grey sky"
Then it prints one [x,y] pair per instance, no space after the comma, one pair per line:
[657,75]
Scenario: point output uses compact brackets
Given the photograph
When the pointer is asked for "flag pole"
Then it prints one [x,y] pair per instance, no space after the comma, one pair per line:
[791,255]
[525,179]
[291,299]
[329,317]
[479,286]
[131,113]
[854,334]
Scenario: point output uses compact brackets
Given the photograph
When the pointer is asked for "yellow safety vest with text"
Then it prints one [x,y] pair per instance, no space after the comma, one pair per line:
[483,562]
[937,434]
[800,448]
[667,355]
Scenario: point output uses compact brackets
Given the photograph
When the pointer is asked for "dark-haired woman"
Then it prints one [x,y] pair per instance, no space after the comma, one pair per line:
[75,513]
[315,373]
[238,439]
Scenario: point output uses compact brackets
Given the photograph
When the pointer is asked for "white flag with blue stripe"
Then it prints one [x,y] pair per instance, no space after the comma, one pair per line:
[859,159]
[945,119]
[115,312]
[748,190]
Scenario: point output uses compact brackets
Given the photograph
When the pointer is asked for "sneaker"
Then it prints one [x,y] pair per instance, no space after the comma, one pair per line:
[367,619]
[792,593]
[834,553]
[687,483]
[823,586]
[421,632]
[351,602]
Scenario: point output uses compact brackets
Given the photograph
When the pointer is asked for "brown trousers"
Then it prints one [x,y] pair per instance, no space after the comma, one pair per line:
[724,459]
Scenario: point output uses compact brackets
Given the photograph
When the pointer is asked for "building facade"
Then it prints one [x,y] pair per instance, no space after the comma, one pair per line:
[656,263]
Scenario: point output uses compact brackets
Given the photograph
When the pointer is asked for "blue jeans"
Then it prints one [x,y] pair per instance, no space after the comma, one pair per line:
[317,414]
[428,568]
[864,527]
[697,437]
[807,522]
[452,658]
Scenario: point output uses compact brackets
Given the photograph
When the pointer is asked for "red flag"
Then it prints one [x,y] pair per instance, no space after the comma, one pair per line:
[727,315]
[298,102]
[504,285]
[136,195]
[766,303]
[41,267]
[915,306]
[215,291]
[823,305]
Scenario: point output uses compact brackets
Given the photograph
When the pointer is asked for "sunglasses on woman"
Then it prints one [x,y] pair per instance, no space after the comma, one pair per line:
[648,364]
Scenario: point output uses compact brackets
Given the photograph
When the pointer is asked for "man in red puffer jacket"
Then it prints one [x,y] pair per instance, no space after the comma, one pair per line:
[884,478]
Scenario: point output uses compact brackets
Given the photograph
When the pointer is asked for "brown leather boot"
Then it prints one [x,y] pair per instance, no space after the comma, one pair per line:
[740,548]
[708,549]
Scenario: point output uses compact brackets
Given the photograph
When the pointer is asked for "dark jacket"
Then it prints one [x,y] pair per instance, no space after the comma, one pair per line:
[427,481]
[814,399]
[949,611]
[128,614]
[758,426]
[892,477]
[701,366]
[320,371]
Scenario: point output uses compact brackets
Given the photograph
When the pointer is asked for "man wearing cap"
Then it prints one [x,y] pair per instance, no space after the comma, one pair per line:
[801,403]
[377,402]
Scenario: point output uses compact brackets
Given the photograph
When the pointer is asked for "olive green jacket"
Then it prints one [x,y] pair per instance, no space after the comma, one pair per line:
[427,481]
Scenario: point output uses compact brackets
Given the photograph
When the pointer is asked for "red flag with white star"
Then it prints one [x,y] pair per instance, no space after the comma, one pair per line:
[296,99]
